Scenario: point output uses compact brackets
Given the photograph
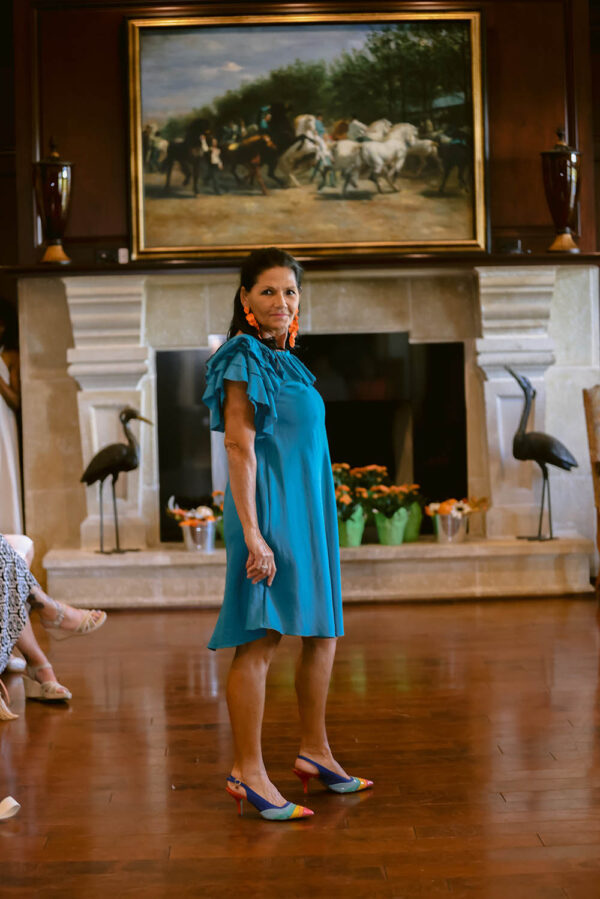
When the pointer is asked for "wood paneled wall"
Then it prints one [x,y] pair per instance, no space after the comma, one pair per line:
[71,60]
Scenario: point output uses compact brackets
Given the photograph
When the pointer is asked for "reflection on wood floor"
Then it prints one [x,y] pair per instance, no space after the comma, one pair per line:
[478,722]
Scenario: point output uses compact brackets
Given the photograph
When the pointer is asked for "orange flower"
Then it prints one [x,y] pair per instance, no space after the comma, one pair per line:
[194,522]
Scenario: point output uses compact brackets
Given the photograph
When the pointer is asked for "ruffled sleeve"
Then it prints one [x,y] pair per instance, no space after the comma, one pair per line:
[242,359]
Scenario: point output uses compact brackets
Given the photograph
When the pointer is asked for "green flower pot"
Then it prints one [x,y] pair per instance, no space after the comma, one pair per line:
[413,525]
[391,530]
[351,530]
[219,524]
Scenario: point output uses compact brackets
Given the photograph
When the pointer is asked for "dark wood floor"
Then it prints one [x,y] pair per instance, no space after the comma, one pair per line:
[478,722]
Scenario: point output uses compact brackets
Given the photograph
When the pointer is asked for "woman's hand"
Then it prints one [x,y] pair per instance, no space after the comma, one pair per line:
[261,563]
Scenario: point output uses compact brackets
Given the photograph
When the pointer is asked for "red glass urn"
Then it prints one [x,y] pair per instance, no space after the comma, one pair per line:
[53,178]
[560,168]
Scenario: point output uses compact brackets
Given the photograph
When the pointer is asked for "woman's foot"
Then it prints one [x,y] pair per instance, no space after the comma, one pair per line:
[260,783]
[44,674]
[59,616]
[41,683]
[328,772]
[322,756]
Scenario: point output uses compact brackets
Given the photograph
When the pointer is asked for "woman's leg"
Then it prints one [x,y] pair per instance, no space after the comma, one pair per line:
[313,673]
[246,701]
[34,655]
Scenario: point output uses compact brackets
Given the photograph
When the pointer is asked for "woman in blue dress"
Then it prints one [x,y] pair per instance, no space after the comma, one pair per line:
[280,525]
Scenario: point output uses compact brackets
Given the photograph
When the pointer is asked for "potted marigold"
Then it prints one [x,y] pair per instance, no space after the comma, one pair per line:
[413,500]
[366,477]
[450,519]
[341,474]
[351,515]
[390,512]
[197,526]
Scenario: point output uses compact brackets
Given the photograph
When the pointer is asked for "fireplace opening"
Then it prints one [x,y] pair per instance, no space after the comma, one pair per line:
[387,402]
[394,403]
[184,437]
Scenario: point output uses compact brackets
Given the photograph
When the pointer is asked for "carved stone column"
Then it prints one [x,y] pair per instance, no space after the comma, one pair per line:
[115,368]
[515,317]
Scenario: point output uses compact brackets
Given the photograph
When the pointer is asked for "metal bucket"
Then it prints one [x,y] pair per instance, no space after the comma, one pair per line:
[450,529]
[200,537]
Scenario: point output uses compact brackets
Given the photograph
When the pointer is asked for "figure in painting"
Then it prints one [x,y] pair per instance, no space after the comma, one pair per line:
[215,165]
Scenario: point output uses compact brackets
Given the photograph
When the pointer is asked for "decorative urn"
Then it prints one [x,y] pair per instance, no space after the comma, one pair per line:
[560,168]
[53,180]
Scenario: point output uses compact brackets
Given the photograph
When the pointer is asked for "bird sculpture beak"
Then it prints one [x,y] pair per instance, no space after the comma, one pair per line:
[147,420]
[516,376]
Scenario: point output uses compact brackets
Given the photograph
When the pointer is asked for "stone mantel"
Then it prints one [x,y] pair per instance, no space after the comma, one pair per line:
[89,339]
[367,262]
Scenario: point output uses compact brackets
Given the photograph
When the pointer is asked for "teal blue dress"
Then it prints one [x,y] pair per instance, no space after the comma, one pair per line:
[295,500]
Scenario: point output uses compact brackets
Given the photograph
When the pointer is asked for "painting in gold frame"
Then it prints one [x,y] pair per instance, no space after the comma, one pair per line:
[329,134]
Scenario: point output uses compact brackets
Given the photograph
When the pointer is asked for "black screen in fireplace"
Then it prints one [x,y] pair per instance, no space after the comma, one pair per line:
[396,404]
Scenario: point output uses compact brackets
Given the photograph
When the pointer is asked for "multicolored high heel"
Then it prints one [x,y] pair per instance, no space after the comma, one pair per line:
[332,781]
[286,812]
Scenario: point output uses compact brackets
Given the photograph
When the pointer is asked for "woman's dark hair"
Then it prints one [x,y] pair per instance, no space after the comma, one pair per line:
[8,316]
[252,267]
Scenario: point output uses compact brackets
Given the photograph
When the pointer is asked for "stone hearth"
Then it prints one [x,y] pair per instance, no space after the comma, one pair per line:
[479,568]
[89,348]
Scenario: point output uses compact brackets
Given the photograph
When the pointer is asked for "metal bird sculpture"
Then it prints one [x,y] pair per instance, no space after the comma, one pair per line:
[110,461]
[540,448]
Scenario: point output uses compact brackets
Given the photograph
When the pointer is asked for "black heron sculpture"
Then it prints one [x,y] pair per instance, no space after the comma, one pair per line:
[540,448]
[110,461]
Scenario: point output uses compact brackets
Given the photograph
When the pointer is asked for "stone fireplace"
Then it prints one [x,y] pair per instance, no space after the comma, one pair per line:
[89,347]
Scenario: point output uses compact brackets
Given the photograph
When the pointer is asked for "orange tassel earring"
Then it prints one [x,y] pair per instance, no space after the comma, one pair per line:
[250,318]
[293,329]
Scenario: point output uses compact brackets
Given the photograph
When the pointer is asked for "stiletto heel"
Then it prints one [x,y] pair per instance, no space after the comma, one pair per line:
[238,800]
[286,812]
[332,781]
[304,776]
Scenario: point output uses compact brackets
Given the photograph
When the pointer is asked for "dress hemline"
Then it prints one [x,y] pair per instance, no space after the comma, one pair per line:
[262,632]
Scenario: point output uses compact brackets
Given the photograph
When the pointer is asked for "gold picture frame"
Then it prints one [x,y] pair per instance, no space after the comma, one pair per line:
[244,133]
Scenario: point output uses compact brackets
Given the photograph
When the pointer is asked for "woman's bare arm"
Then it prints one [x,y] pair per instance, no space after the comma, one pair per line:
[240,434]
[10,390]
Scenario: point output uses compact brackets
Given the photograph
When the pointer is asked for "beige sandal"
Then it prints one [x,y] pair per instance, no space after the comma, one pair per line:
[50,691]
[87,625]
[5,712]
[8,808]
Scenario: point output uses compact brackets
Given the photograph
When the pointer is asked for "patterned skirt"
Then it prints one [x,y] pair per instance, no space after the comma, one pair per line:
[16,582]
